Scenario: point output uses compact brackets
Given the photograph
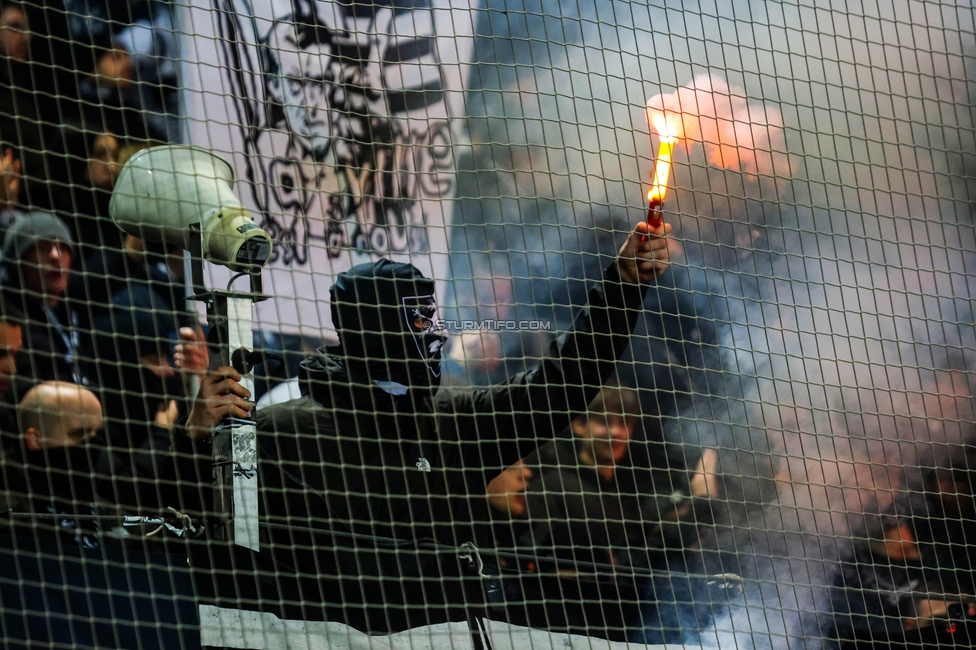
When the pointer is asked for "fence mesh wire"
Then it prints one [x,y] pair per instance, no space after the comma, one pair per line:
[446,407]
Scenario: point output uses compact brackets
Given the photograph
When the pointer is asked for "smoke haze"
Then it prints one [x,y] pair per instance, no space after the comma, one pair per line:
[818,328]
[737,135]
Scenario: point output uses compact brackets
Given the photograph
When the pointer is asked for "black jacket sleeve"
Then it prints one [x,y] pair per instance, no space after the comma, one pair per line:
[501,424]
[189,470]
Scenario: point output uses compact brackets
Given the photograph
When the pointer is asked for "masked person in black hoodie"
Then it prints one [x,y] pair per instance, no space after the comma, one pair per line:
[373,461]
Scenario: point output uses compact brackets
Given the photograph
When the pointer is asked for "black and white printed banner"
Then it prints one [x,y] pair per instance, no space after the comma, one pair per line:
[341,121]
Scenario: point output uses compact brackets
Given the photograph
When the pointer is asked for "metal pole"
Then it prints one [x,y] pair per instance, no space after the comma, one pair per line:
[230,318]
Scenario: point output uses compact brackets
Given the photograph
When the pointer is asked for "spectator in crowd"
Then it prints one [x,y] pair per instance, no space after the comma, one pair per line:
[10,344]
[143,395]
[30,121]
[101,244]
[132,299]
[129,49]
[581,507]
[143,277]
[35,268]
[374,449]
[11,341]
[10,180]
[108,141]
[112,259]
[906,578]
[91,225]
[145,347]
[48,461]
[575,480]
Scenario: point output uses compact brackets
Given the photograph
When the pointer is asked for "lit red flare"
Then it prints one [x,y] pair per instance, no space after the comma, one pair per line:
[662,172]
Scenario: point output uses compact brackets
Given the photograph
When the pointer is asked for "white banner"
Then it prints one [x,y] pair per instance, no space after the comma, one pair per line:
[236,628]
[341,121]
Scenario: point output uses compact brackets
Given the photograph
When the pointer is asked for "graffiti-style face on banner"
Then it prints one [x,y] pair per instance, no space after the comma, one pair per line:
[340,159]
[342,117]
[305,80]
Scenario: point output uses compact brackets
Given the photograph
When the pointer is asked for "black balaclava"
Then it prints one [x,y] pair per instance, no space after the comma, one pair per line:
[388,330]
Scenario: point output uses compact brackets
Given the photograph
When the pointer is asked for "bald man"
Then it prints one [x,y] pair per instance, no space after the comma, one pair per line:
[59,414]
[48,468]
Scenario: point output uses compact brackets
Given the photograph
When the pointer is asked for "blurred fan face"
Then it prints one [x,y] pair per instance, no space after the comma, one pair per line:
[898,544]
[607,437]
[103,166]
[47,268]
[14,34]
[73,429]
[11,340]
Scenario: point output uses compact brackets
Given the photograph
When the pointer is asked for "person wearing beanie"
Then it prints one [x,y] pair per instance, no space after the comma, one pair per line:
[31,229]
[375,462]
[35,268]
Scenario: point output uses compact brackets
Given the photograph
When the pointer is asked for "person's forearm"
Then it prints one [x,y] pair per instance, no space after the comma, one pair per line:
[581,361]
[190,467]
[512,419]
[587,355]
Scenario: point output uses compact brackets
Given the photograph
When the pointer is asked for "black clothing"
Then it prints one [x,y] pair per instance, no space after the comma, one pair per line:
[586,525]
[134,308]
[113,276]
[572,513]
[385,311]
[872,593]
[53,343]
[131,465]
[55,484]
[580,534]
[406,468]
[634,519]
[412,467]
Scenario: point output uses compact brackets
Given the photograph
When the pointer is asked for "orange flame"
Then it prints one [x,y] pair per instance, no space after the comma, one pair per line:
[665,128]
[662,171]
[668,134]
